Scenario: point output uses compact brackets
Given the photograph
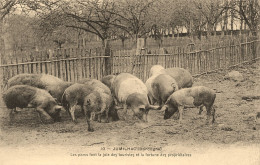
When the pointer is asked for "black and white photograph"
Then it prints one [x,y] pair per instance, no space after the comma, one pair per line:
[129,82]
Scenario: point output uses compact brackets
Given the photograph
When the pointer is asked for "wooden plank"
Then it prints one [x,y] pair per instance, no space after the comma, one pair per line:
[70,65]
[94,64]
[74,65]
[90,64]
[22,66]
[17,67]
[82,54]
[98,65]
[59,68]
[41,64]
[36,57]
[54,66]
[78,66]
[66,64]
[86,74]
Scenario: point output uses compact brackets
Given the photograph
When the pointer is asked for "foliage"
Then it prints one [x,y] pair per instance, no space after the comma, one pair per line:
[54,23]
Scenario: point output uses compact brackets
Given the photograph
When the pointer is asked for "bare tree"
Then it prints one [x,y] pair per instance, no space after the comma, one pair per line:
[249,11]
[96,17]
[6,7]
[211,12]
[135,16]
[20,7]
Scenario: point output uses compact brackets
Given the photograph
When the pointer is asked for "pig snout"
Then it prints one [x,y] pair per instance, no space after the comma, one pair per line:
[168,111]
[141,113]
[142,117]
[56,113]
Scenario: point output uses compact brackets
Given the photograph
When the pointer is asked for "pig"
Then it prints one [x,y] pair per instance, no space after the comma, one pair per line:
[35,80]
[154,72]
[95,83]
[162,87]
[182,76]
[52,84]
[86,96]
[73,96]
[132,93]
[57,90]
[197,96]
[24,96]
[108,80]
[97,102]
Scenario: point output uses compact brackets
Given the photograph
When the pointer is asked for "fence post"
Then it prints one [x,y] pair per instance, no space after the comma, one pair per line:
[253,47]
[140,45]
[51,64]
[31,60]
[111,62]
[108,66]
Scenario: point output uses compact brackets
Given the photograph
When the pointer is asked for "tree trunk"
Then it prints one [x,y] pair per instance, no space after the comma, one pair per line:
[123,43]
[2,43]
[2,52]
[136,38]
[241,26]
[254,45]
[7,40]
[232,22]
[225,22]
[209,30]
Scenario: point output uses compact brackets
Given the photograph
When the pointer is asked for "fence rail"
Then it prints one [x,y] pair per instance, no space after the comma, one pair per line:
[73,64]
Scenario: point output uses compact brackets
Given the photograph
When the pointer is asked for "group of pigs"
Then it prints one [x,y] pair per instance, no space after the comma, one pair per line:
[171,88]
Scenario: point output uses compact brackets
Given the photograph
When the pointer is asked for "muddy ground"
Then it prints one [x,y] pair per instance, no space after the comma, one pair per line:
[234,136]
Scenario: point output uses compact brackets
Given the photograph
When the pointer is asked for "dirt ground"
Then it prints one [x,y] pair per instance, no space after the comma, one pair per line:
[233,137]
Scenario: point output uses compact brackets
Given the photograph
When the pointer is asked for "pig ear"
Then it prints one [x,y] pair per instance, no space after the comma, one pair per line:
[174,86]
[58,108]
[117,107]
[88,101]
[154,107]
[142,107]
[164,108]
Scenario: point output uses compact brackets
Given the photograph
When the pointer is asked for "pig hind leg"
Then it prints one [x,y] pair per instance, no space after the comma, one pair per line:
[213,111]
[151,99]
[88,115]
[72,113]
[198,103]
[99,118]
[92,116]
[107,112]
[180,108]
[67,108]
[210,111]
[160,102]
[201,109]
[11,115]
[125,111]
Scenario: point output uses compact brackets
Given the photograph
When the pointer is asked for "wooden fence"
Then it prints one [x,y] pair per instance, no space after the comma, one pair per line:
[68,64]
[197,62]
[76,63]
